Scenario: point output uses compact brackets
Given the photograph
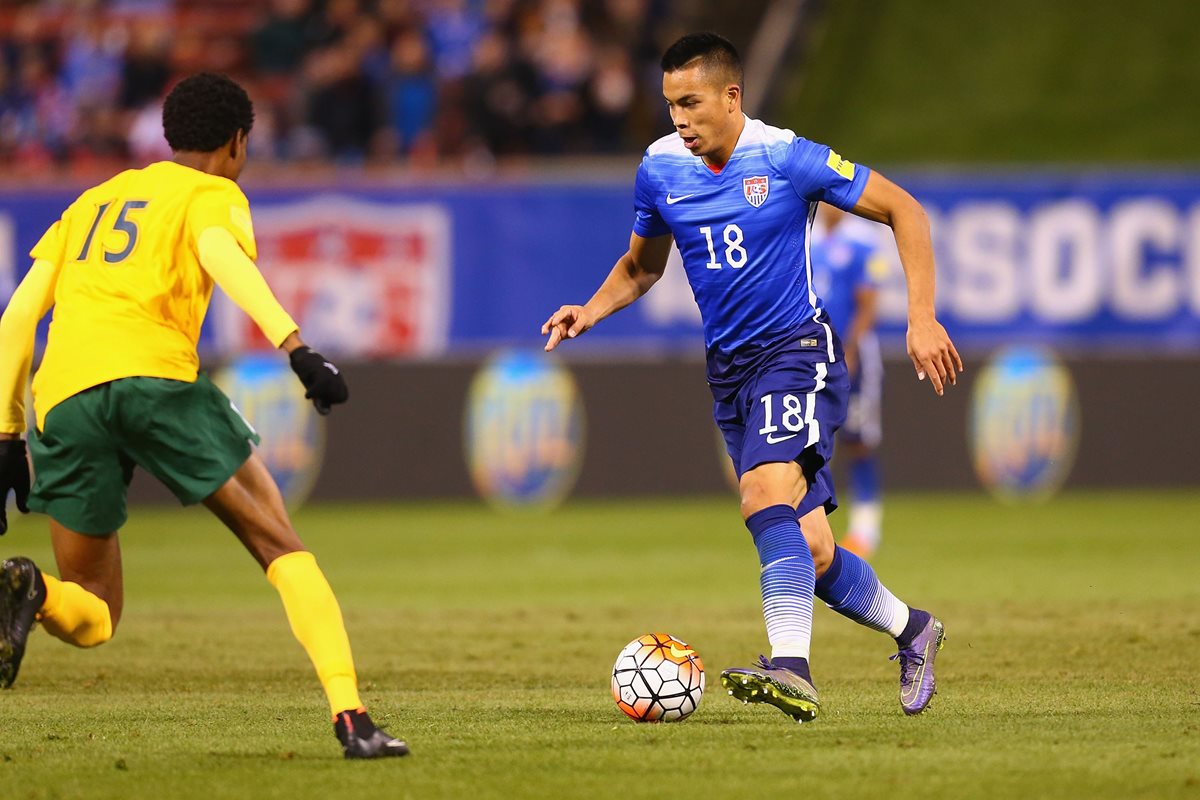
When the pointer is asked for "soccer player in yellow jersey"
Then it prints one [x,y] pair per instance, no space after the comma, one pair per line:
[129,270]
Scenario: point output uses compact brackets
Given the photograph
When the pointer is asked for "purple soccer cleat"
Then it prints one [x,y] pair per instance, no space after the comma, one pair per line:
[917,682]
[766,683]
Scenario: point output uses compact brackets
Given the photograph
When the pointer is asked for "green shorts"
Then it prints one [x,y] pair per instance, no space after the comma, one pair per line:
[188,435]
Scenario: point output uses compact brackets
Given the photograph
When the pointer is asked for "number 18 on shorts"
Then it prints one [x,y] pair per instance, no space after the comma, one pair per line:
[789,411]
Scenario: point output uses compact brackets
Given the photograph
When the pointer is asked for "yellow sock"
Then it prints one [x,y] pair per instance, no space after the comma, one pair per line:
[74,614]
[316,621]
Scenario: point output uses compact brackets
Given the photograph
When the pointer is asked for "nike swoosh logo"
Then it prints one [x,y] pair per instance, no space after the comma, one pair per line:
[673,200]
[677,653]
[773,439]
[915,686]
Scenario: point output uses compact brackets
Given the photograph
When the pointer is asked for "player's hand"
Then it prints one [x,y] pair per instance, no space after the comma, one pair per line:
[933,354]
[566,323]
[14,477]
[322,381]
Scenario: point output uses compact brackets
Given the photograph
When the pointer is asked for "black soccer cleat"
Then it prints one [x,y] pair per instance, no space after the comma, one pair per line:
[22,595]
[360,737]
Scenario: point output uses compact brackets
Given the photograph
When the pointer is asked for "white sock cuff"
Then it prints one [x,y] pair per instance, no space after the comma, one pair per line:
[790,650]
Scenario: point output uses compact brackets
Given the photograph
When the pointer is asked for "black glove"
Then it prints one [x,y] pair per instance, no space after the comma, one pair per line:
[14,476]
[323,381]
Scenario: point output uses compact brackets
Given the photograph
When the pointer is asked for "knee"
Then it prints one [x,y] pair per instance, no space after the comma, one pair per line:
[770,485]
[754,498]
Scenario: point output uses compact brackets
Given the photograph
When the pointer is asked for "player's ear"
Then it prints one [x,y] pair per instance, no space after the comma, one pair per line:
[237,143]
[732,93]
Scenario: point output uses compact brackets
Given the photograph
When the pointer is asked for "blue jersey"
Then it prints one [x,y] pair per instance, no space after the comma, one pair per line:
[743,231]
[841,265]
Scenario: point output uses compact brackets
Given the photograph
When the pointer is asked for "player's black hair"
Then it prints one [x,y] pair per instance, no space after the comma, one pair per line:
[712,51]
[204,111]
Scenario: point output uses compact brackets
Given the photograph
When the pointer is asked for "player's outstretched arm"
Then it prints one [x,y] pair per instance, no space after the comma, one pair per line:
[929,346]
[18,329]
[223,258]
[630,278]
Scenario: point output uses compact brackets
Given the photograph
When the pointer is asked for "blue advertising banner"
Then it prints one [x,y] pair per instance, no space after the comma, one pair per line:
[1084,262]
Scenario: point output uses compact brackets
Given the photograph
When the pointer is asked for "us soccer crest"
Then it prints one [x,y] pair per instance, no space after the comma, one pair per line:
[362,278]
[756,189]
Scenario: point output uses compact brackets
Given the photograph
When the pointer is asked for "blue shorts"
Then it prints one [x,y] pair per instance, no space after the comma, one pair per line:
[787,407]
[864,408]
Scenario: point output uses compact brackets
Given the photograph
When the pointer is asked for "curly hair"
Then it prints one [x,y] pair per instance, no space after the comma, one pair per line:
[713,52]
[204,111]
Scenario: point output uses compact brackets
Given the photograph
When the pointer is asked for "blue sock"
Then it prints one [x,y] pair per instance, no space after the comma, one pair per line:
[787,580]
[796,665]
[864,479]
[851,588]
[917,620]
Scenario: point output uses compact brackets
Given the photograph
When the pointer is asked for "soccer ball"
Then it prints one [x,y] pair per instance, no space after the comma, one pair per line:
[657,678]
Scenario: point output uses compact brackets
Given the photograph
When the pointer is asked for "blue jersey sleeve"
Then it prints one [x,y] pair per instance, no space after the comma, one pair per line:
[819,173]
[648,222]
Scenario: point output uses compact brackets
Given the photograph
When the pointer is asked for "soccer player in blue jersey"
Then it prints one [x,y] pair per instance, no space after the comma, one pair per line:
[846,270]
[738,197]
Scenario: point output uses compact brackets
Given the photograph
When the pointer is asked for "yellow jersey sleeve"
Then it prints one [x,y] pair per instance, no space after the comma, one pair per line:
[222,257]
[18,328]
[50,246]
[223,207]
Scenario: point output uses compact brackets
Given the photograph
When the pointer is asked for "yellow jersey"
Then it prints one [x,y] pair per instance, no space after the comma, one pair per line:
[130,294]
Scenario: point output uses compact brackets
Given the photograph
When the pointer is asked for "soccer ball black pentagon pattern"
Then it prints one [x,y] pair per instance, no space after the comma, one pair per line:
[657,678]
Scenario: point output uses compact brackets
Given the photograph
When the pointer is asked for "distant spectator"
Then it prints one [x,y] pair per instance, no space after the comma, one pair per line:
[49,114]
[411,92]
[280,42]
[366,39]
[610,94]
[330,27]
[564,66]
[145,73]
[453,28]
[92,61]
[80,80]
[342,103]
[499,97]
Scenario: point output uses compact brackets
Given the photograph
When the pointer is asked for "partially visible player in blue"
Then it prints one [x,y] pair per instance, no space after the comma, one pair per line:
[738,197]
[846,273]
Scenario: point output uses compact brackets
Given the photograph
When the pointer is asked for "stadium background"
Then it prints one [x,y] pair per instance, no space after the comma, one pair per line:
[431,179]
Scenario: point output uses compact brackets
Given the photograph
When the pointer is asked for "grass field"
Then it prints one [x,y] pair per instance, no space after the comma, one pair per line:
[1070,668]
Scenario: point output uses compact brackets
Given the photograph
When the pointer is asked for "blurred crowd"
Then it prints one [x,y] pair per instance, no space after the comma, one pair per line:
[349,81]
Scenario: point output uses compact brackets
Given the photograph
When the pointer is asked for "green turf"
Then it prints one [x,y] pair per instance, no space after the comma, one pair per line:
[486,640]
[1025,81]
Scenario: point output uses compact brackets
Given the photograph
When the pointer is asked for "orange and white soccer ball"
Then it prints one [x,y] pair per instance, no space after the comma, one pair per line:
[657,678]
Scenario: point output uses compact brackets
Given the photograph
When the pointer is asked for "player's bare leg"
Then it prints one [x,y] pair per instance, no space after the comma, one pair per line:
[849,586]
[250,505]
[93,563]
[770,494]
[81,607]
